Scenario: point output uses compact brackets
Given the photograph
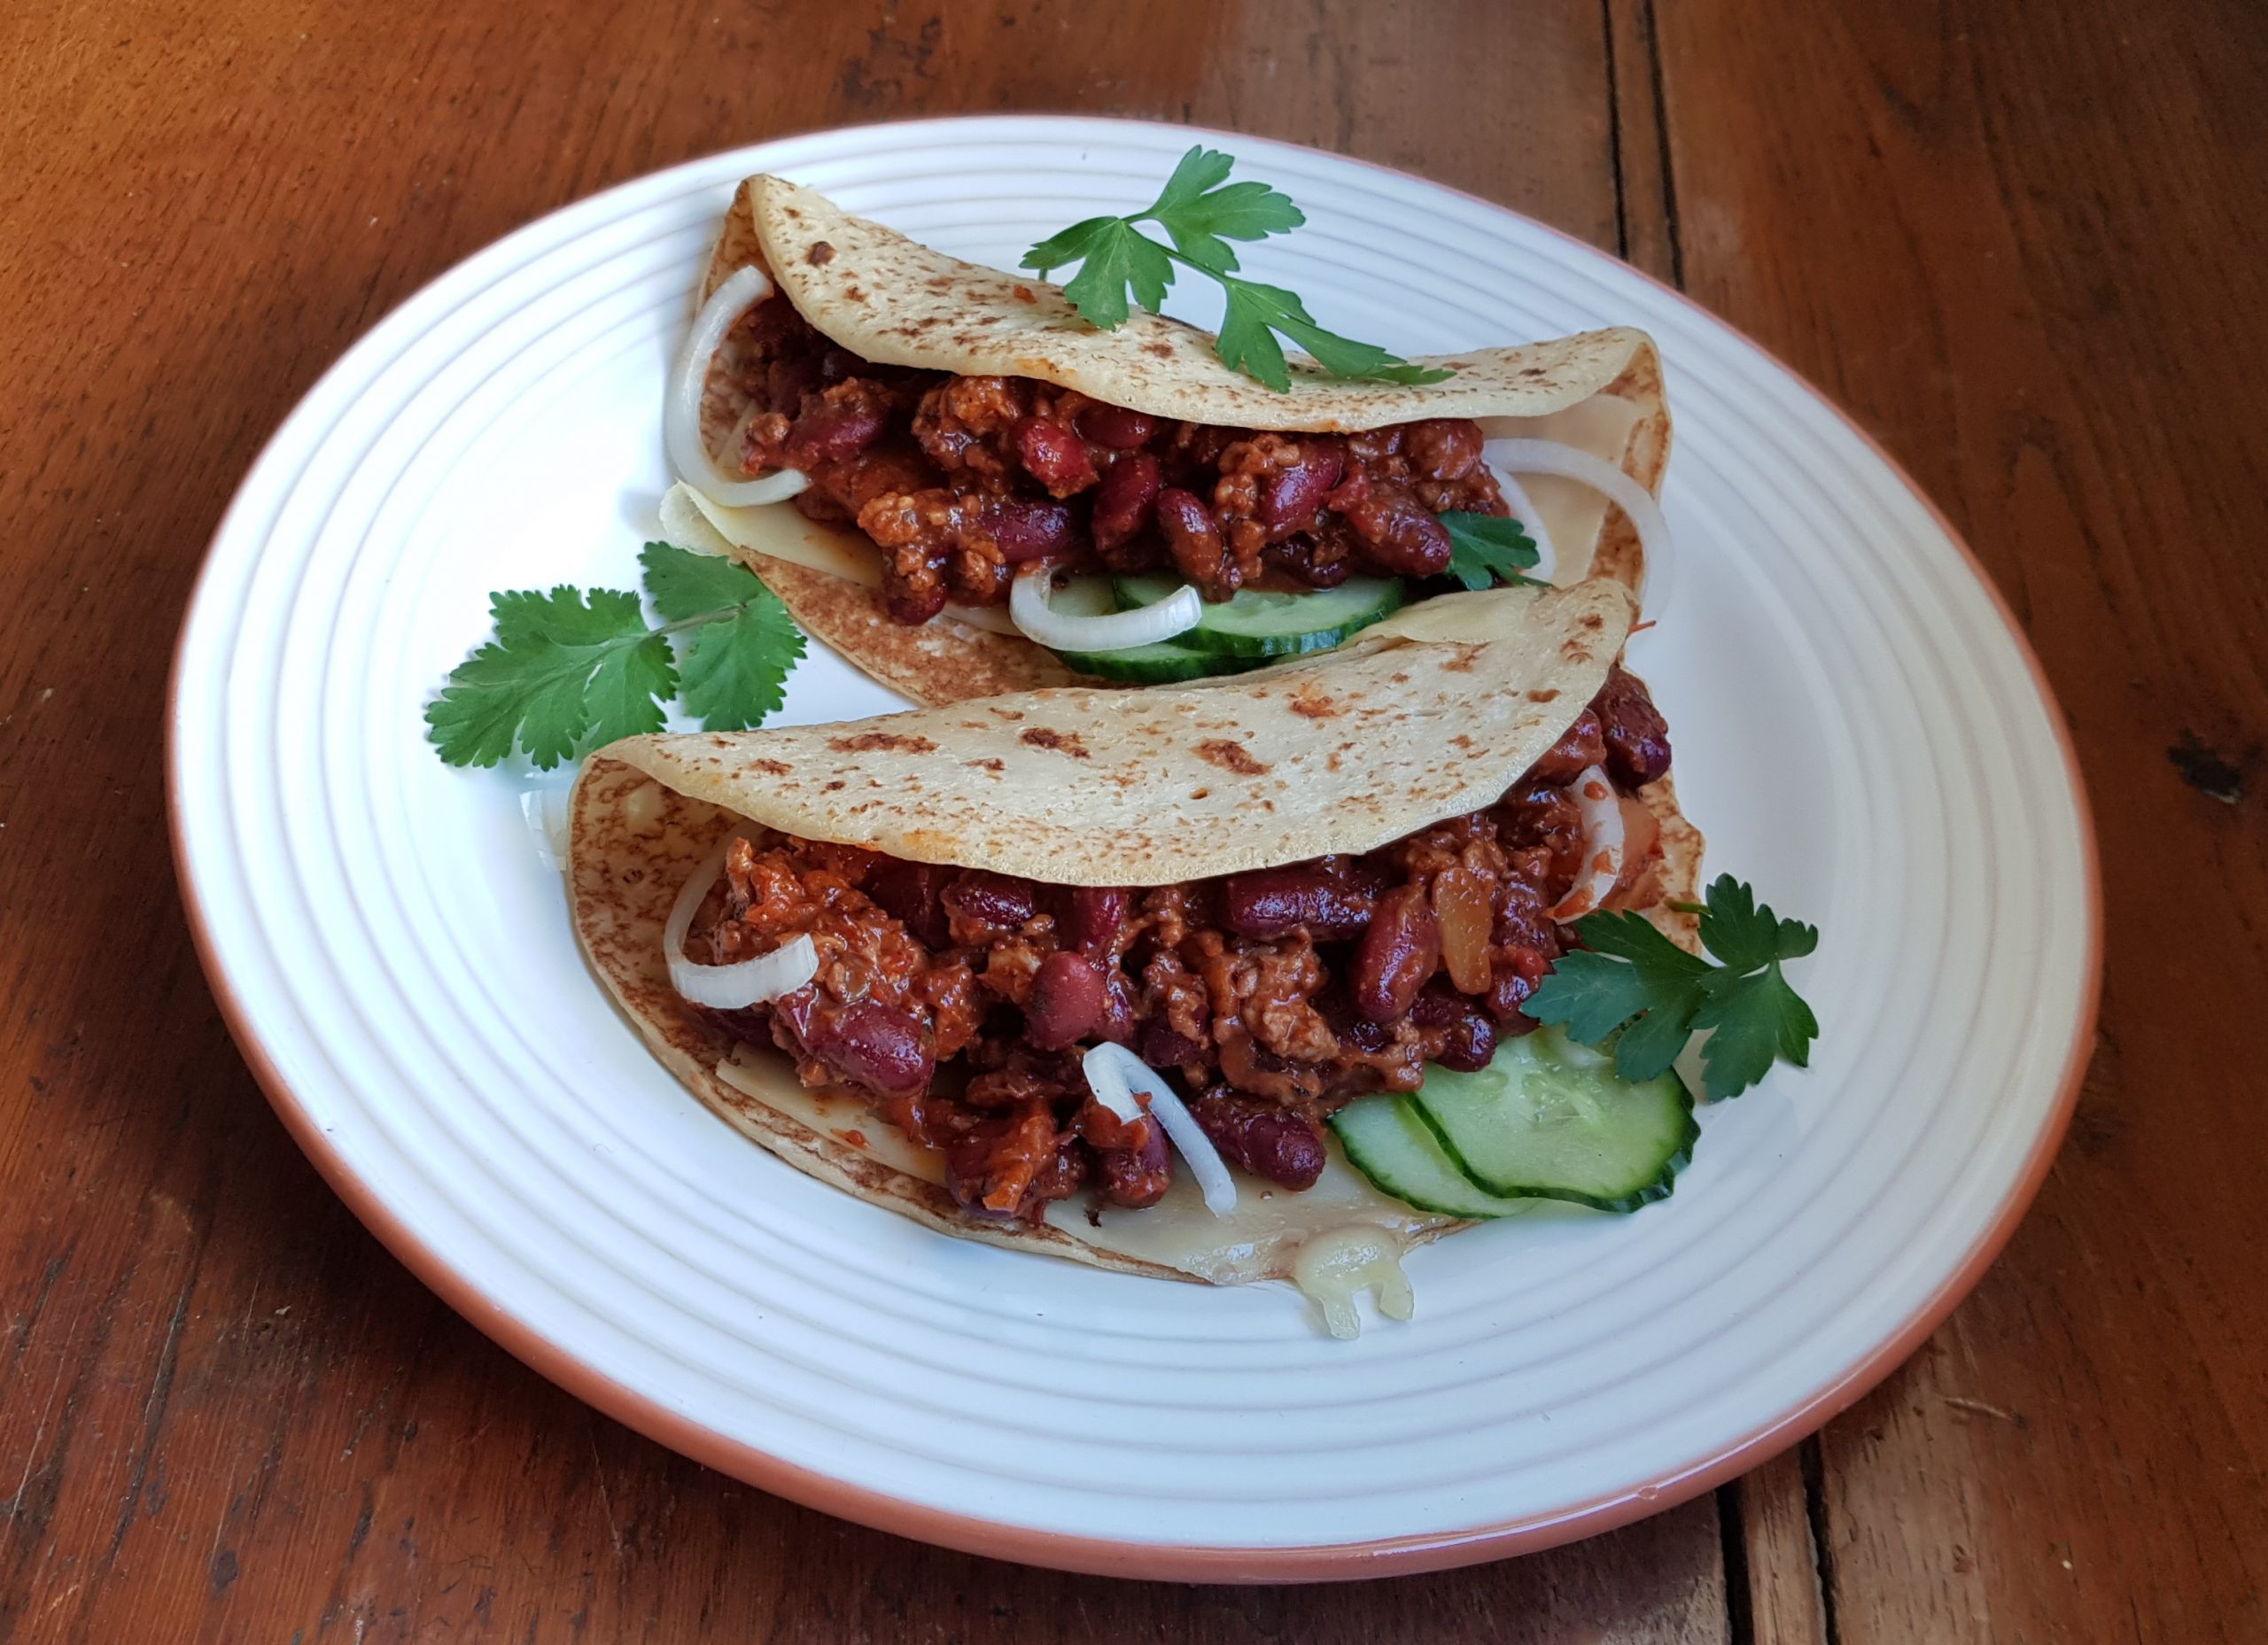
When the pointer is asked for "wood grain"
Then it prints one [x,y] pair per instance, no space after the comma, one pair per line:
[1779,1567]
[2007,238]
[225,1414]
[2012,240]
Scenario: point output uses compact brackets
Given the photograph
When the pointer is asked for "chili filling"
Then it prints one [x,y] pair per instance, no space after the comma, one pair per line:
[958,1000]
[958,480]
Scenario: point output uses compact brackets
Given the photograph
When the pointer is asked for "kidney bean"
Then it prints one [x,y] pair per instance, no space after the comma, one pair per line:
[1122,1016]
[987,899]
[1365,876]
[1289,497]
[1027,530]
[1266,1140]
[1542,830]
[841,423]
[1303,557]
[967,1158]
[1087,916]
[1355,1031]
[1401,534]
[1275,901]
[1162,1048]
[1053,456]
[1061,1176]
[1138,1175]
[1583,746]
[1515,979]
[914,585]
[1116,426]
[1438,1006]
[1472,1038]
[909,892]
[1471,1043]
[867,1042]
[1066,1001]
[788,377]
[993,1170]
[1520,920]
[1443,448]
[1193,539]
[1636,735]
[1398,953]
[1125,500]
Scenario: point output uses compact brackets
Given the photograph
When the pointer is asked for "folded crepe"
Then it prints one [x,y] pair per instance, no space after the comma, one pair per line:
[1444,711]
[882,301]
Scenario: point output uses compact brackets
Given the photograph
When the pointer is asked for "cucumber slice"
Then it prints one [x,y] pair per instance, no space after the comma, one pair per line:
[1391,1143]
[1161,663]
[1539,1121]
[1260,623]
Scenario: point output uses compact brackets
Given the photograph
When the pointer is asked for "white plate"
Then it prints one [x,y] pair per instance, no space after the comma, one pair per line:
[1858,730]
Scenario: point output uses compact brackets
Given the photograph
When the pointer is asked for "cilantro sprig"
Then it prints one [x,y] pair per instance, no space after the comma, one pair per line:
[569,669]
[1201,211]
[1484,550]
[1634,986]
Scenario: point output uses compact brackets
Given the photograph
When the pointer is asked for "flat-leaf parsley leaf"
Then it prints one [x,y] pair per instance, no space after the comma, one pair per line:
[1635,986]
[1484,550]
[568,670]
[1201,211]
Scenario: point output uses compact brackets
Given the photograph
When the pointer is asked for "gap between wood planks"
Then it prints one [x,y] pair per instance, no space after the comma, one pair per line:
[1778,1553]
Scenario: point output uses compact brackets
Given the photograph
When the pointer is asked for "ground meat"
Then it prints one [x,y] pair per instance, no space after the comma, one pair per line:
[960,480]
[1276,995]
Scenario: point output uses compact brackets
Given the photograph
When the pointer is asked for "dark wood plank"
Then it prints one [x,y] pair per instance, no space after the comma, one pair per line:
[1779,1575]
[2016,240]
[224,1412]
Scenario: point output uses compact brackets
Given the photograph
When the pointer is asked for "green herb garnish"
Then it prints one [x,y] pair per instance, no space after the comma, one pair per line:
[1201,211]
[569,669]
[1634,986]
[1484,550]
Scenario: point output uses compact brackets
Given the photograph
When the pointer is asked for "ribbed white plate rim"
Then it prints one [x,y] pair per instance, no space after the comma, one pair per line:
[834,1353]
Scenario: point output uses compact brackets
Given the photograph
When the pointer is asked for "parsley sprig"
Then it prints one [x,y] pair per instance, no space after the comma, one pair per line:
[1633,986]
[1484,550]
[1201,211]
[569,669]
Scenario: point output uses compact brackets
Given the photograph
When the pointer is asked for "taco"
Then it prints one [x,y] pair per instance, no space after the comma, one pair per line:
[937,465]
[975,963]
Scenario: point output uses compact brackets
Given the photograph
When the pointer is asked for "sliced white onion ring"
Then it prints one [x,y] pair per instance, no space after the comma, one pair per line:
[1601,846]
[546,808]
[1118,631]
[746,983]
[1528,514]
[1118,1069]
[689,381]
[1110,1085]
[1545,456]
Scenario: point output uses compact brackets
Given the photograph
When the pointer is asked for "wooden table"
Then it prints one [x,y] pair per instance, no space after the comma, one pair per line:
[2023,245]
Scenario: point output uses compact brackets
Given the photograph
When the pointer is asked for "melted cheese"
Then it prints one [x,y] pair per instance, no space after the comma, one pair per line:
[1334,1240]
[1334,1269]
[764,1076]
[1260,1239]
[778,529]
